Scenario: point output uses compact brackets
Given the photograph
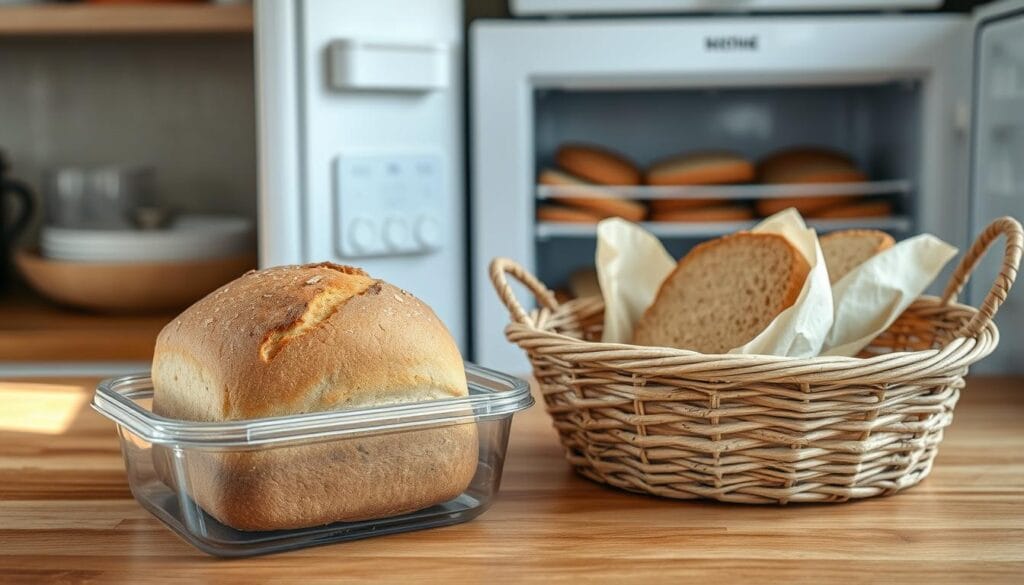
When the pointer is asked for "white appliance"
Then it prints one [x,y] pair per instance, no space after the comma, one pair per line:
[360,110]
[923,101]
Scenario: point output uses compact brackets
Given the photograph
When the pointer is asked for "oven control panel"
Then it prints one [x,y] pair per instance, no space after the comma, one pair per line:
[388,205]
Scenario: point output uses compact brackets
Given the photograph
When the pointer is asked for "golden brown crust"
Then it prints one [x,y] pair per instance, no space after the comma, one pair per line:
[597,164]
[707,214]
[701,168]
[298,339]
[604,204]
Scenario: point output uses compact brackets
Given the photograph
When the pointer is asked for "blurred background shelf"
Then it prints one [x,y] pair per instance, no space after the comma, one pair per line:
[32,329]
[758,191]
[550,229]
[143,19]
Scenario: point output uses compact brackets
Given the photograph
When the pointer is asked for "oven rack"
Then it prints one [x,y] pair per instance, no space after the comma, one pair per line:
[754,191]
[676,229]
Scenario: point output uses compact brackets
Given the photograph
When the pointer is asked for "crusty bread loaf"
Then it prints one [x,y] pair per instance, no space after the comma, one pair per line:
[701,168]
[597,164]
[603,203]
[299,339]
[806,165]
[724,293]
[847,249]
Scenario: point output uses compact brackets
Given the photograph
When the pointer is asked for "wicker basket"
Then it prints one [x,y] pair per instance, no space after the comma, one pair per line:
[758,429]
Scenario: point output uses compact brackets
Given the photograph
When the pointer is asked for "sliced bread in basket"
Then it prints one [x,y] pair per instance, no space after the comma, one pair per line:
[847,249]
[724,293]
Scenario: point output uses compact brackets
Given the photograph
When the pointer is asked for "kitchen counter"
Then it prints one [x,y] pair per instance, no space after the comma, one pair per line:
[66,516]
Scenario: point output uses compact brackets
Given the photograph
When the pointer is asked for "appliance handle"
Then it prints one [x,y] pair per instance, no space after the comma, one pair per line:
[1004,226]
[502,266]
[28,206]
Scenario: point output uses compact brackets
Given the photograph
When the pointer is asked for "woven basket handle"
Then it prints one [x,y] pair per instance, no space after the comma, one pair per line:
[1005,226]
[502,266]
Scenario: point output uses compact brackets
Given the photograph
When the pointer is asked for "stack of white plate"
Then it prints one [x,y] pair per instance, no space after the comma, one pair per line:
[188,238]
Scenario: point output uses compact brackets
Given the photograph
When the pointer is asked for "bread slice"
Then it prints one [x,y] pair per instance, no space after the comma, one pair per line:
[701,168]
[724,293]
[597,164]
[808,165]
[847,249]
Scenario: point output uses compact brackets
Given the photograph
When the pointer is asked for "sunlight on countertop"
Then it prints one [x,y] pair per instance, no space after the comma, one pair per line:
[40,408]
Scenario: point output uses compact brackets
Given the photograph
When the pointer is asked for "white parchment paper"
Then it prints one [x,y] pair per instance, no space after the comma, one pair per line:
[631,265]
[870,297]
[800,330]
[825,320]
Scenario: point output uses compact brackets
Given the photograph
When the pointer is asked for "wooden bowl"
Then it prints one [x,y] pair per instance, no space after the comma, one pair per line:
[128,287]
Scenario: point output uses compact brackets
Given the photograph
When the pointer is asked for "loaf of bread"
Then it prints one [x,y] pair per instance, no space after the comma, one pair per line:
[597,164]
[847,249]
[301,339]
[806,165]
[724,293]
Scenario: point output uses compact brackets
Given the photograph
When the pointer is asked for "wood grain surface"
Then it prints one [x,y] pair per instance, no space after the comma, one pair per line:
[98,19]
[66,516]
[32,329]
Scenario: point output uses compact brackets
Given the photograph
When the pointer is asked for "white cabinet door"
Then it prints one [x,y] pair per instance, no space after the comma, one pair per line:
[997,161]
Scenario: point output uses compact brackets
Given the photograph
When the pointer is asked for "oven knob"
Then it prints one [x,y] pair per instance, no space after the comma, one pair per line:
[360,235]
[428,233]
[396,235]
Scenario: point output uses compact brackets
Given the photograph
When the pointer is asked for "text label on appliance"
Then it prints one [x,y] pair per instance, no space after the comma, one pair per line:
[730,43]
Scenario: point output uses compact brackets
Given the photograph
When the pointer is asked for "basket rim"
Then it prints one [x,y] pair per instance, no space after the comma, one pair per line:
[975,338]
[923,299]
[956,354]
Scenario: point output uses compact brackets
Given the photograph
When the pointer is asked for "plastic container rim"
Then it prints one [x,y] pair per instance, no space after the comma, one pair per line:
[492,395]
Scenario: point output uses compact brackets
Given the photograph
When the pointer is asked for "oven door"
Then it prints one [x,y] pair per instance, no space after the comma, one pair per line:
[997,160]
[880,88]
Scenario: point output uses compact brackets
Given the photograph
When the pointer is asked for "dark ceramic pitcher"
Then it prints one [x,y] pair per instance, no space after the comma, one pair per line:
[11,227]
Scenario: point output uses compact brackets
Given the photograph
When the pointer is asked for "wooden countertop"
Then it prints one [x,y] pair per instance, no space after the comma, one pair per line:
[66,516]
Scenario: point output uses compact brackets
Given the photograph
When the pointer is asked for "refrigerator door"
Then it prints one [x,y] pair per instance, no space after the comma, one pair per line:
[361,142]
[997,161]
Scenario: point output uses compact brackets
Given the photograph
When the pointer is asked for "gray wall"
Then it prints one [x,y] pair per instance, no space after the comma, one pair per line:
[182,104]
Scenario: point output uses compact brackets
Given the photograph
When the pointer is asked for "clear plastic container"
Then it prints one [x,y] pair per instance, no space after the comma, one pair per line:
[294,467]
